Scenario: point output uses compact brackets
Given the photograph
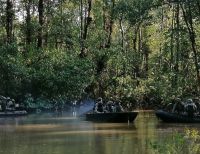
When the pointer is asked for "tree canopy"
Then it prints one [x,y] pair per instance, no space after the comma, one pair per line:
[127,50]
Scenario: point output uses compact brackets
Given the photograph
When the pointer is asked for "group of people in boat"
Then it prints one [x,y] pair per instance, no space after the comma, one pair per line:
[7,104]
[191,107]
[108,107]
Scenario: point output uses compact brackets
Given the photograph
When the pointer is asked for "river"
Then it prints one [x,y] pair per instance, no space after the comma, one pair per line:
[53,134]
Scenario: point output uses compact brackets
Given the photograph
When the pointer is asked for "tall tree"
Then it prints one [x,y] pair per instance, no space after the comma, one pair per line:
[188,18]
[122,31]
[172,39]
[28,22]
[9,20]
[85,22]
[41,22]
[108,17]
[177,41]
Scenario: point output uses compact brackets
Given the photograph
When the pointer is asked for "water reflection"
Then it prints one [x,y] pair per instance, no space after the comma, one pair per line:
[50,134]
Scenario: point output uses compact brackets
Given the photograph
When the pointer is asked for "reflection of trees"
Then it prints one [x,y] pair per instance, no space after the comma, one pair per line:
[79,137]
[146,131]
[113,138]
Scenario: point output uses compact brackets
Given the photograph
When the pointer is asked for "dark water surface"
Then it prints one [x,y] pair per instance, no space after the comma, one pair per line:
[51,134]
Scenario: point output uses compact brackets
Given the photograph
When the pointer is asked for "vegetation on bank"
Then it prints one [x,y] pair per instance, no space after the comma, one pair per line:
[187,142]
[141,51]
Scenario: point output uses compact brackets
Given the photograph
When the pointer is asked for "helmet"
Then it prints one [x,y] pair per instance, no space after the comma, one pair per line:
[189,100]
[99,99]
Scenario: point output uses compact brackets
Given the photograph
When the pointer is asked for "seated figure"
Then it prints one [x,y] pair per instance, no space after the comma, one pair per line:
[3,103]
[197,103]
[10,104]
[118,107]
[98,108]
[7,104]
[169,107]
[109,106]
[178,106]
[190,108]
[129,106]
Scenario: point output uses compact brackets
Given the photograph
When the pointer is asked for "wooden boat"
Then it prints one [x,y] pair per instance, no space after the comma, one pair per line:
[174,117]
[115,117]
[13,113]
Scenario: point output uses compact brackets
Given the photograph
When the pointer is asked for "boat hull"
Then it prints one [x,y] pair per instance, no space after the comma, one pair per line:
[13,113]
[176,118]
[118,117]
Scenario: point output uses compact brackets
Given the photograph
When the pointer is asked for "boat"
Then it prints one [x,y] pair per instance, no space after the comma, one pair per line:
[13,113]
[176,118]
[115,117]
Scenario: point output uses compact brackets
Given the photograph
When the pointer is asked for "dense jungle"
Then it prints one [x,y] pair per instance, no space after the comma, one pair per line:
[143,52]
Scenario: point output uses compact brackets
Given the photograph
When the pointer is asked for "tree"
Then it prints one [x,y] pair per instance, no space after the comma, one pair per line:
[28,22]
[188,18]
[9,20]
[41,22]
[86,19]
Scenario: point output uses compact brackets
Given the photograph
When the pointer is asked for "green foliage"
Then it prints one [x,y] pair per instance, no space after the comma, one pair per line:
[41,103]
[178,143]
[48,73]
[149,51]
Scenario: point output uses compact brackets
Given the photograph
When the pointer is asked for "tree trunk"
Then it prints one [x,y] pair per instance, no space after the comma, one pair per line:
[9,20]
[28,22]
[187,14]
[198,6]
[177,44]
[161,30]
[140,40]
[88,19]
[172,41]
[48,20]
[81,29]
[122,33]
[41,22]
[84,28]
[109,26]
[145,52]
[108,20]
[135,38]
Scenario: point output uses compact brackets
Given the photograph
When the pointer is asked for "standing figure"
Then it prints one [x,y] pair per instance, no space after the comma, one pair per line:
[74,108]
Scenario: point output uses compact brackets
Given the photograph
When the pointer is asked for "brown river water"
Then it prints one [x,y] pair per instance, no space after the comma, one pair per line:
[52,134]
